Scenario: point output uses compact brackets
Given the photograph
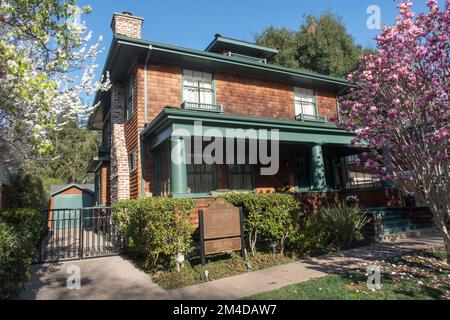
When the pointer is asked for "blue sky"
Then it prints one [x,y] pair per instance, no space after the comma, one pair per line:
[193,23]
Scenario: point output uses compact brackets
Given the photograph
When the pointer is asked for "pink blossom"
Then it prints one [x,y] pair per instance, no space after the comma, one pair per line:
[404,86]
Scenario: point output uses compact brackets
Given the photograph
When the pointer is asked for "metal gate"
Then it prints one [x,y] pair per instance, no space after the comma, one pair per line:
[78,234]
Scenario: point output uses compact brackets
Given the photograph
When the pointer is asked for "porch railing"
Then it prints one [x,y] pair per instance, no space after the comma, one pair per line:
[202,106]
[311,117]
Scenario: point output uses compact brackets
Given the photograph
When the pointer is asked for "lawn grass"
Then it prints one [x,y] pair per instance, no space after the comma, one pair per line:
[419,275]
[218,266]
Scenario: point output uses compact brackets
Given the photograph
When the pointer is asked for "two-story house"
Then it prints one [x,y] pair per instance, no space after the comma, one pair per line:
[160,90]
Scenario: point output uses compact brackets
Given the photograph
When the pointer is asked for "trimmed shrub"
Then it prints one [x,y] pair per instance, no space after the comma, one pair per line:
[157,229]
[30,222]
[273,217]
[20,232]
[333,228]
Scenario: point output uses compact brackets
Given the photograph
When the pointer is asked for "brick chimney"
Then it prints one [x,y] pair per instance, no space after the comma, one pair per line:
[126,24]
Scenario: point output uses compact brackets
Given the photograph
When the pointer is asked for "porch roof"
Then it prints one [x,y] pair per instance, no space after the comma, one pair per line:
[171,119]
[95,162]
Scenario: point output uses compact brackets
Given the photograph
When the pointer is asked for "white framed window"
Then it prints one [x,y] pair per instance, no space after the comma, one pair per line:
[132,161]
[304,102]
[130,98]
[198,87]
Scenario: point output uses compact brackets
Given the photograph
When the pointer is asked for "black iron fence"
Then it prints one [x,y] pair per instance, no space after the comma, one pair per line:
[79,233]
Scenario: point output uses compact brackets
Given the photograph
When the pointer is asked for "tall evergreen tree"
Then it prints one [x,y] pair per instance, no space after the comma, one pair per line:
[282,39]
[74,147]
[322,44]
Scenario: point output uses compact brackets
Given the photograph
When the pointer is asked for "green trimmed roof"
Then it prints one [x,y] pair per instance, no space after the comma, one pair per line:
[238,46]
[93,164]
[124,51]
[170,119]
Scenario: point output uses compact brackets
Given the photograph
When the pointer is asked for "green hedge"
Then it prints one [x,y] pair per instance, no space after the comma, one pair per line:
[157,229]
[271,217]
[20,232]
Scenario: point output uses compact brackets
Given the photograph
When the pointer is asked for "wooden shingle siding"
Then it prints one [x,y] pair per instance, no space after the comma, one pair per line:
[164,87]
[239,95]
[254,97]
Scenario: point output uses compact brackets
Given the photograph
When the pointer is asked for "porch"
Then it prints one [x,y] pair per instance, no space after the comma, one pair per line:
[184,158]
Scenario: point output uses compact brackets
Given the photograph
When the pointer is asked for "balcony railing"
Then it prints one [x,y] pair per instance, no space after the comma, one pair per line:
[311,117]
[246,58]
[202,106]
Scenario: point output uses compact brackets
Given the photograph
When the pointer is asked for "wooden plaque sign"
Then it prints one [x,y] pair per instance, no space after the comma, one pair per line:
[221,229]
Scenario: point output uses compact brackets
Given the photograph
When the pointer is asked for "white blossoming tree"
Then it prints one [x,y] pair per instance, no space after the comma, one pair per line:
[47,73]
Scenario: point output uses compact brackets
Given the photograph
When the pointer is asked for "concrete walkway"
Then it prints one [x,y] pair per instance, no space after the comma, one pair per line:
[107,278]
[117,278]
[251,283]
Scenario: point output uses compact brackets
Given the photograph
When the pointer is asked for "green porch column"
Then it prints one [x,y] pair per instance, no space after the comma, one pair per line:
[318,168]
[178,170]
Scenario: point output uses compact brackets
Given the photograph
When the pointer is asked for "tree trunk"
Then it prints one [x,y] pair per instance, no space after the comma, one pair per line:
[442,227]
[252,241]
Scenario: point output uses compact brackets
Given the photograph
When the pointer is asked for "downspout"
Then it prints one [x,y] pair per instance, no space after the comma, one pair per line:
[145,121]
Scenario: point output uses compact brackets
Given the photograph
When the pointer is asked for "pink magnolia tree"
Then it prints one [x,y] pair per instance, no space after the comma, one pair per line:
[399,107]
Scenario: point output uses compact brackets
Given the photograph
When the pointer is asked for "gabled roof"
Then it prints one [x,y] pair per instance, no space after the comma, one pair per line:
[125,50]
[58,188]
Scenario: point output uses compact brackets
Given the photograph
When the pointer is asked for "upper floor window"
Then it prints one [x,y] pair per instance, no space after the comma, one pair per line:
[304,102]
[198,87]
[130,98]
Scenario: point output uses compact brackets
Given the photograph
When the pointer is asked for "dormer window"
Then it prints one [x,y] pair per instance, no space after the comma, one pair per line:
[130,98]
[242,50]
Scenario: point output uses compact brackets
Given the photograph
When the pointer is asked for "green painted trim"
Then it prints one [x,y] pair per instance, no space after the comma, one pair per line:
[318,168]
[240,43]
[299,136]
[175,114]
[219,57]
[96,161]
[178,167]
[113,47]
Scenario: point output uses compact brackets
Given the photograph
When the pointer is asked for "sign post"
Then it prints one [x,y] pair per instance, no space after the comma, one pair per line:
[221,229]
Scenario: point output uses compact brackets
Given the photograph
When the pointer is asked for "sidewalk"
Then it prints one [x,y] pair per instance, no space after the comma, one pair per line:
[244,285]
[117,278]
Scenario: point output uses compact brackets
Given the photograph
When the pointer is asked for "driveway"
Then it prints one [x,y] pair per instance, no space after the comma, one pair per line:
[101,278]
